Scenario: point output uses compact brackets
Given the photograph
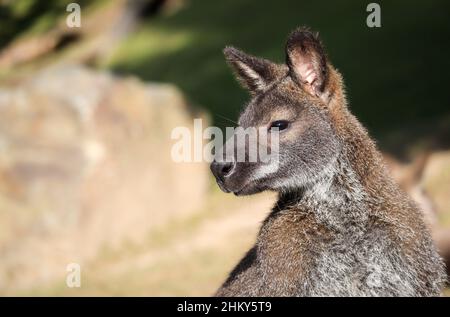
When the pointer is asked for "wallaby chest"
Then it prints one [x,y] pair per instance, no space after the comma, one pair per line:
[295,248]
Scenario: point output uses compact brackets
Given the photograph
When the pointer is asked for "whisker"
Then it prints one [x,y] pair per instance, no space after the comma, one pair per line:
[223,117]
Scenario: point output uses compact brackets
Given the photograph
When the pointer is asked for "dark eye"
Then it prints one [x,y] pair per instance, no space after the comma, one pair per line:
[280,124]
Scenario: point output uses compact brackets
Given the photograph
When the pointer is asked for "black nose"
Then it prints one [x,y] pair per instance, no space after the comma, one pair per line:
[222,169]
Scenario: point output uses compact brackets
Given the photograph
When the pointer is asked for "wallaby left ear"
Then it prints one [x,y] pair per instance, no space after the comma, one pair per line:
[254,73]
[307,61]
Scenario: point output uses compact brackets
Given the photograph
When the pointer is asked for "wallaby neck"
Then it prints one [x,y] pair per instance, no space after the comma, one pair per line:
[336,199]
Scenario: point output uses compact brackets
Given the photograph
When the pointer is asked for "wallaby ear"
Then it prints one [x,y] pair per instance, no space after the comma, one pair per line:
[307,61]
[254,73]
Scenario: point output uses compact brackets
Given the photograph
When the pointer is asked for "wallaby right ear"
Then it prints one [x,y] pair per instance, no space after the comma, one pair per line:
[254,73]
[307,61]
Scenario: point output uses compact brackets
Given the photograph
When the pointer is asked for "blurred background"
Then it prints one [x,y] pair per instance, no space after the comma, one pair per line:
[86,115]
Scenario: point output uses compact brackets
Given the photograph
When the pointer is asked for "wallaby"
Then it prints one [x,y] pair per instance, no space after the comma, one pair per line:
[341,226]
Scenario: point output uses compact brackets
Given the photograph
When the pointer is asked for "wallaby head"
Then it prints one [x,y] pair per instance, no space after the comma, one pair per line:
[301,100]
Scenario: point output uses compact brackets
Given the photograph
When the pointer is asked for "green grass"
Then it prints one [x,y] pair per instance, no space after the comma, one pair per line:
[395,74]
[27,18]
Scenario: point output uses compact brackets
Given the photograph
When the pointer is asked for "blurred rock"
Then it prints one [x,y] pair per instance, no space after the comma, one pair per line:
[427,180]
[436,181]
[84,166]
[409,175]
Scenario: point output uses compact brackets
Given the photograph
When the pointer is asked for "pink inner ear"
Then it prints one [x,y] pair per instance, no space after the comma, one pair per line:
[307,73]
